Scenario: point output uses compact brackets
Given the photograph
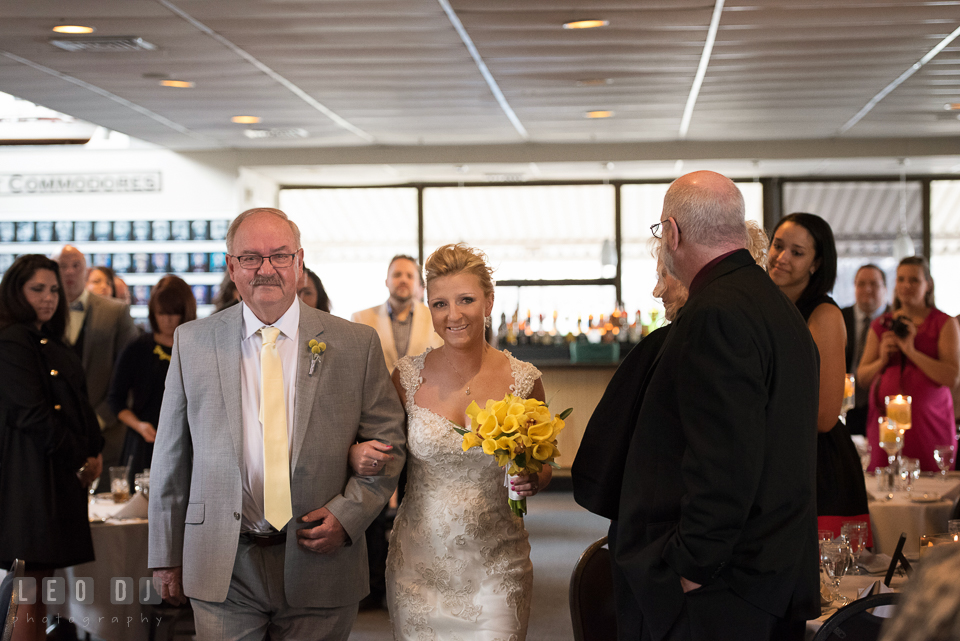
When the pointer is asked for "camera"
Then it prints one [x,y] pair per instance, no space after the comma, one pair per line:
[900,328]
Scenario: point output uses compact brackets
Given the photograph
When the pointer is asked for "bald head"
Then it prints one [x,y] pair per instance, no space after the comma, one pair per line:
[73,271]
[708,208]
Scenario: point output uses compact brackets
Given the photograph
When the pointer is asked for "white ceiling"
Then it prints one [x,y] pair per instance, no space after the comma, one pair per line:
[389,82]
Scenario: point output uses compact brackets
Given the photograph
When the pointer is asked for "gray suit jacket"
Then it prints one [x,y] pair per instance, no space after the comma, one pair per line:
[196,495]
[107,329]
[422,335]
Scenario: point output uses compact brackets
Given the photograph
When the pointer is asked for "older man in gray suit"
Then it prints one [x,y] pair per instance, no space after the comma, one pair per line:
[254,513]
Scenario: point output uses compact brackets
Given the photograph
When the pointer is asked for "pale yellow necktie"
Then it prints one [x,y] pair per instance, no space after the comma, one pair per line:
[277,505]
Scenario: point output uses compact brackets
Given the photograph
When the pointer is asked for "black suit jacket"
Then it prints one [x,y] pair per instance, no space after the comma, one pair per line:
[720,478]
[850,321]
[597,471]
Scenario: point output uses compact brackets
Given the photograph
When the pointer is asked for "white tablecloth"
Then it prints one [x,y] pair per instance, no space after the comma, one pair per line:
[911,513]
[121,551]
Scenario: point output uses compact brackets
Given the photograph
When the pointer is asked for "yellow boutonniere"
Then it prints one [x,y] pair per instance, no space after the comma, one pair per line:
[317,349]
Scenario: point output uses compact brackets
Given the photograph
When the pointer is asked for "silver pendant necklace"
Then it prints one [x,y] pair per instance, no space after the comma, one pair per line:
[455,371]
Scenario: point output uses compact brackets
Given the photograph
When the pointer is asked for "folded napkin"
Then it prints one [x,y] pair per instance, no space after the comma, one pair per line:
[874,563]
[884,611]
[136,508]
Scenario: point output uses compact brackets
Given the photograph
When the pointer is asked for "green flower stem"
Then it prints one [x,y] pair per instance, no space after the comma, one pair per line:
[518,506]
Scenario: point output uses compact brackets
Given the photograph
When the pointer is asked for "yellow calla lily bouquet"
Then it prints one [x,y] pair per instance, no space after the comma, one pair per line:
[519,433]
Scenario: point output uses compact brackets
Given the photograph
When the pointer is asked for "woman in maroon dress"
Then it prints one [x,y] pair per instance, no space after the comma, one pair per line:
[923,362]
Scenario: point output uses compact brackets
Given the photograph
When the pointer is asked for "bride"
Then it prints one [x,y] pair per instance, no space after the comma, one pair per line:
[459,561]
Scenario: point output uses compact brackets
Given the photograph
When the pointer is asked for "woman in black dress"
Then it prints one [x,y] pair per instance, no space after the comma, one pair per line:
[802,261]
[141,371]
[49,436]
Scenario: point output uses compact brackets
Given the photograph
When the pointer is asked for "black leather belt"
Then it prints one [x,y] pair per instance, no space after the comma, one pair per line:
[264,540]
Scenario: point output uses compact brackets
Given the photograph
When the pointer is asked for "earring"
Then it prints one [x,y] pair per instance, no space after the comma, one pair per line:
[487,321]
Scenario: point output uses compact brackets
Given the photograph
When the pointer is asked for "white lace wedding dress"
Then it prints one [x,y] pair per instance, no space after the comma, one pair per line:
[459,563]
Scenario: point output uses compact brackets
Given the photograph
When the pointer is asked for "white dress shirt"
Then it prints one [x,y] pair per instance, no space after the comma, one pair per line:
[289,326]
[77,317]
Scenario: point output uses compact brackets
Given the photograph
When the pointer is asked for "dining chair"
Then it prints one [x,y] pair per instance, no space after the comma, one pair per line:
[8,604]
[592,609]
[854,621]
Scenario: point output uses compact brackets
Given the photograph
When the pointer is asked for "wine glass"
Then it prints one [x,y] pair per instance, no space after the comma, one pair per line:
[93,488]
[855,532]
[891,439]
[944,456]
[835,557]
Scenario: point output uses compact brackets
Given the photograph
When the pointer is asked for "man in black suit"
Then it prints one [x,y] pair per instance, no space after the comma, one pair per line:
[871,295]
[717,530]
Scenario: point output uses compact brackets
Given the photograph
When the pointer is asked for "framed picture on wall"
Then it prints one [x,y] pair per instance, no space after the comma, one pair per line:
[161,263]
[64,230]
[199,230]
[141,263]
[5,261]
[121,263]
[121,230]
[140,295]
[25,232]
[202,294]
[218,229]
[102,260]
[102,231]
[45,231]
[161,230]
[180,230]
[8,231]
[218,262]
[180,262]
[82,230]
[141,230]
[198,262]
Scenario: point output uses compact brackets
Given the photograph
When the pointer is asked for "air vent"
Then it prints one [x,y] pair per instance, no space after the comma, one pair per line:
[104,44]
[287,132]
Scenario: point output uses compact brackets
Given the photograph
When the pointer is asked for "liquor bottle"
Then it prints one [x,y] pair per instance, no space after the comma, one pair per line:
[512,330]
[503,330]
[541,336]
[636,330]
[526,338]
[624,335]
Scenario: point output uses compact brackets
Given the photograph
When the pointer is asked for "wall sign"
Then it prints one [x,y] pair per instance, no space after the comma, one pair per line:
[44,184]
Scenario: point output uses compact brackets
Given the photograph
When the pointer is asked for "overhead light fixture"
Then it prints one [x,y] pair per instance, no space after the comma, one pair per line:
[180,84]
[246,120]
[951,106]
[586,24]
[73,28]
[283,132]
[599,114]
[595,82]
[104,44]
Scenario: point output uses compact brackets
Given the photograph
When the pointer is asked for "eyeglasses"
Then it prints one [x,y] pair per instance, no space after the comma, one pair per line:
[253,261]
[657,228]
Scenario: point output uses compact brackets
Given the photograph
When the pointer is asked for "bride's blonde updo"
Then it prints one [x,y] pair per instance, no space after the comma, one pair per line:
[459,258]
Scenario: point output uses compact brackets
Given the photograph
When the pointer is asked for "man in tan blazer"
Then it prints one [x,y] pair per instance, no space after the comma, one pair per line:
[403,322]
[99,329]
[251,571]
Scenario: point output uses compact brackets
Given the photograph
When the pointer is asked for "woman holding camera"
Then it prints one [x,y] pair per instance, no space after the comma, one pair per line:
[914,351]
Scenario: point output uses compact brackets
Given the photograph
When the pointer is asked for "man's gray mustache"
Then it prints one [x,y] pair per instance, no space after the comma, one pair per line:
[266,280]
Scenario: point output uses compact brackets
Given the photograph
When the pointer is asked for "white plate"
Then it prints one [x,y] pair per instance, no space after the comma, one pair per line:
[928,497]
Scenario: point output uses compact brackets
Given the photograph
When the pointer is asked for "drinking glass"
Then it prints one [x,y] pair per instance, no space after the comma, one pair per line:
[835,557]
[865,451]
[855,532]
[891,439]
[953,526]
[826,535]
[909,472]
[120,483]
[944,456]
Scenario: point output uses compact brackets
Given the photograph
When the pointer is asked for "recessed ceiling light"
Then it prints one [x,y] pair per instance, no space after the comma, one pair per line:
[180,84]
[951,106]
[246,120]
[72,28]
[599,114]
[586,24]
[594,82]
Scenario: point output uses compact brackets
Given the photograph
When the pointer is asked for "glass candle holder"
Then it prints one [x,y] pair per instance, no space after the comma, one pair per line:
[898,409]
